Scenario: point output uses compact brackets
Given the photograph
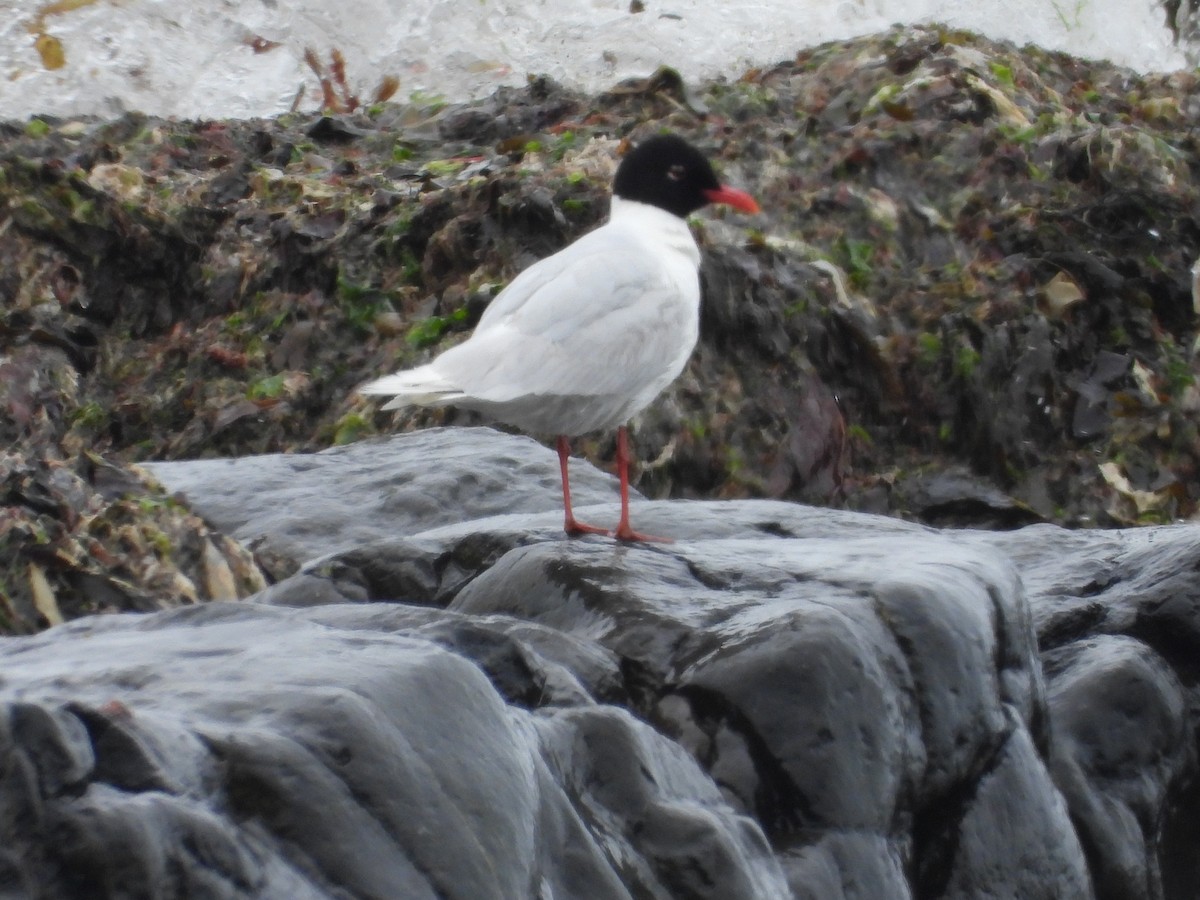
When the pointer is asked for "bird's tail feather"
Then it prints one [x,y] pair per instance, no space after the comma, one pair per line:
[416,387]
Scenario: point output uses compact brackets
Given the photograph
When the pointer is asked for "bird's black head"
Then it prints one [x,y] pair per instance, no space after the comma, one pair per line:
[668,172]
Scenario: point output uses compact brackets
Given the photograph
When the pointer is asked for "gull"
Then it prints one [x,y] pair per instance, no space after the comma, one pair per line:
[585,339]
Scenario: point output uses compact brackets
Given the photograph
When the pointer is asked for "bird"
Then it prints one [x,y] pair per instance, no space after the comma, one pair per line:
[584,339]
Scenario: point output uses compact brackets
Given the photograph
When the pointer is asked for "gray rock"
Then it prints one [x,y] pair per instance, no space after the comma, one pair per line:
[825,693]
[240,750]
[450,698]
[1116,760]
[303,506]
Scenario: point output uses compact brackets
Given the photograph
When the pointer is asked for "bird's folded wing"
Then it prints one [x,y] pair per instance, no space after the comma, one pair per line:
[602,325]
[600,271]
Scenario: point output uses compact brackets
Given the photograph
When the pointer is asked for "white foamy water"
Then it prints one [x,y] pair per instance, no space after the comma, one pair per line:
[209,58]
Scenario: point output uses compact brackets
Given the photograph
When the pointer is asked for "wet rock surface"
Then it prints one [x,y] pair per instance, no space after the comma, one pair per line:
[303,506]
[786,702]
[277,754]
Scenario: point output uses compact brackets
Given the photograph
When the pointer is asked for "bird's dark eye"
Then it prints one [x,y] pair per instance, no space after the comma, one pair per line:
[676,172]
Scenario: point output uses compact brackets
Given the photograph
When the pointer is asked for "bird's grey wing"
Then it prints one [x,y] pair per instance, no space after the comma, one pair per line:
[566,276]
[598,323]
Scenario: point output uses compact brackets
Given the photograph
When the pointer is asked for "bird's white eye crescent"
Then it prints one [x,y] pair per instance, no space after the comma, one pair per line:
[675,173]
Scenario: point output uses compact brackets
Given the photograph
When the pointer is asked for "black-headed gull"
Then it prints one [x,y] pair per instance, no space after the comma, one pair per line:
[583,340]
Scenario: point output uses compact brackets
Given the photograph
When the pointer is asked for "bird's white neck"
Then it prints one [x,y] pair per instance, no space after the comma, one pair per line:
[656,224]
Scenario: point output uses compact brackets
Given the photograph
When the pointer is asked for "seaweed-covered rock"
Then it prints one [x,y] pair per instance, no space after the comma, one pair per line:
[951,225]
[82,534]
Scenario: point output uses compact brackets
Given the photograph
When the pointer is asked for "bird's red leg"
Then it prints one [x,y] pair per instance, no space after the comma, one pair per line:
[570,525]
[624,532]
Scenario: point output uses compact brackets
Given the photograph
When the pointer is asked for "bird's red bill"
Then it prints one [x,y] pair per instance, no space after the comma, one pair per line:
[739,200]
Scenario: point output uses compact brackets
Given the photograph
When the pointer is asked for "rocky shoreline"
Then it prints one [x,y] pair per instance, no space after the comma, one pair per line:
[969,302]
[952,226]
